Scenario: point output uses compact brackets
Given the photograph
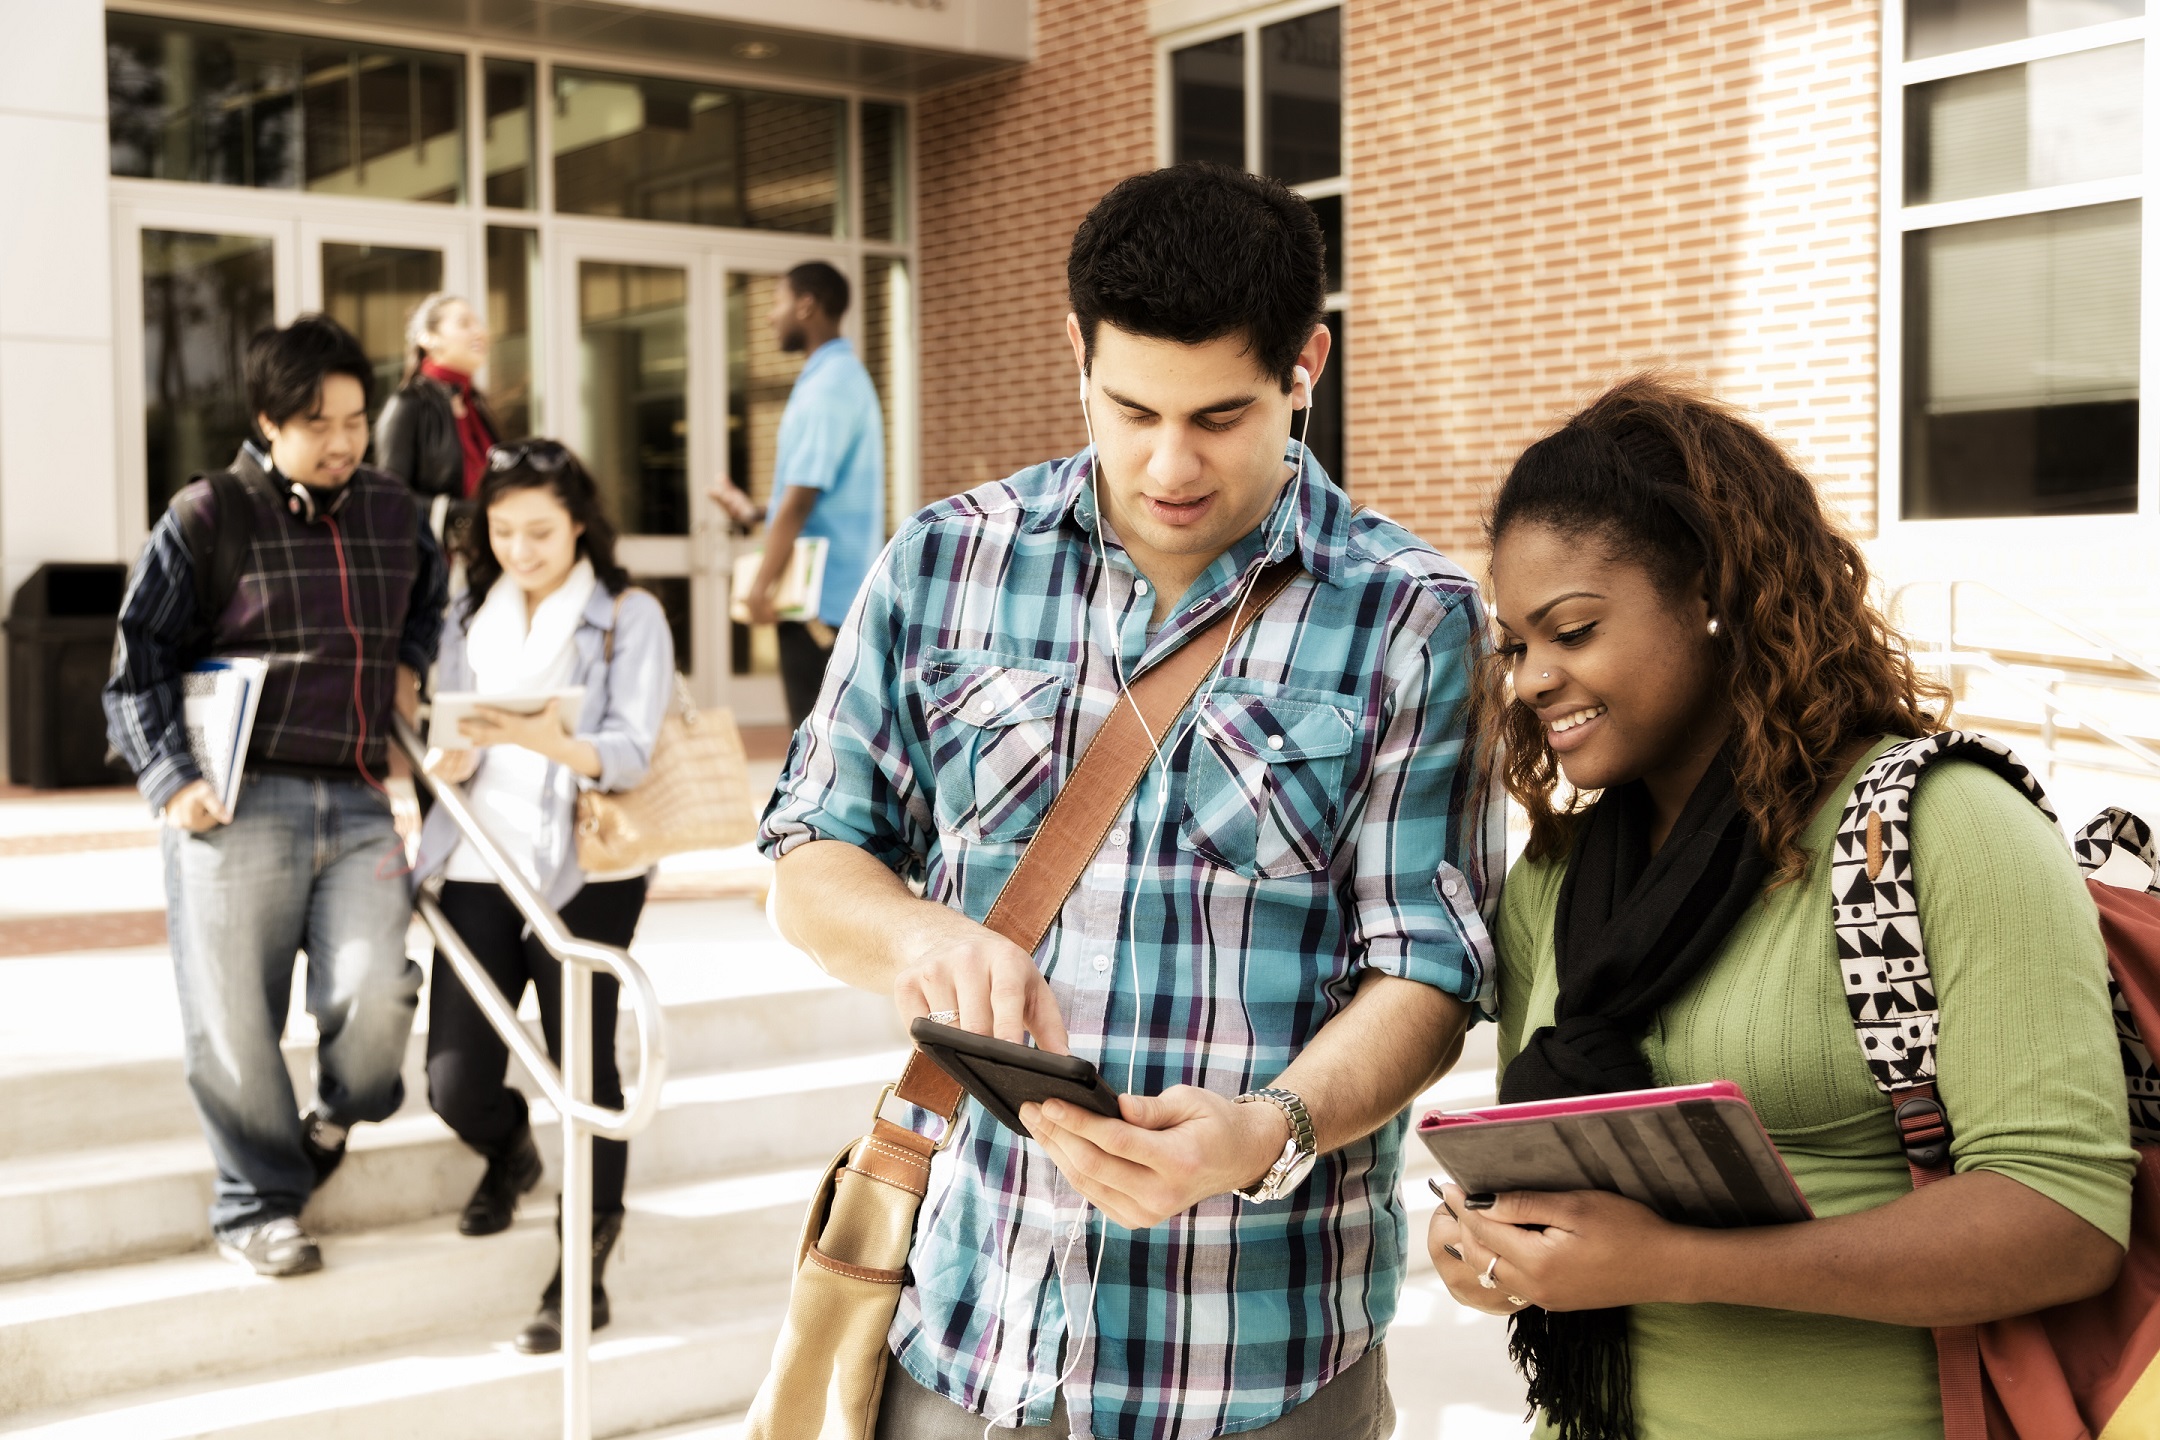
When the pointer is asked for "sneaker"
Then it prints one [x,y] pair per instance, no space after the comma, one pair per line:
[325,1158]
[276,1247]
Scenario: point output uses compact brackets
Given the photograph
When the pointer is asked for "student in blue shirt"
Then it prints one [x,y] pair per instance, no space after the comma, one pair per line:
[828,477]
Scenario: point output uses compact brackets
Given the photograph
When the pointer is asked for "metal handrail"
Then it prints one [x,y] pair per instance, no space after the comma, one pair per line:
[2107,647]
[2013,676]
[568,1089]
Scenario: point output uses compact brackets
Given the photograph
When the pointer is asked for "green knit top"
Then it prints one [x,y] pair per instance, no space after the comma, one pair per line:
[2029,1071]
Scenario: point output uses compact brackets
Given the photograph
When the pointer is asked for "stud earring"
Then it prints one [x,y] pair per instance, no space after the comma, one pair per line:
[1713,626]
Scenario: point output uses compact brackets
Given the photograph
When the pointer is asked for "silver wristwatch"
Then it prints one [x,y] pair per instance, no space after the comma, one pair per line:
[1296,1162]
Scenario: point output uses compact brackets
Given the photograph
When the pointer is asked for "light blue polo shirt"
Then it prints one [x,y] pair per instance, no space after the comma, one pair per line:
[832,438]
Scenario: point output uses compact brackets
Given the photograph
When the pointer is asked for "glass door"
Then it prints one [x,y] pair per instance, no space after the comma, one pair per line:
[369,276]
[643,383]
[760,376]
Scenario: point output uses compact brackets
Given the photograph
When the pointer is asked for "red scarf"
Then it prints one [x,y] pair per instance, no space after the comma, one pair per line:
[474,437]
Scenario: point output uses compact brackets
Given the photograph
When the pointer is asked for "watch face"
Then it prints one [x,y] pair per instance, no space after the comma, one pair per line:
[1295,1175]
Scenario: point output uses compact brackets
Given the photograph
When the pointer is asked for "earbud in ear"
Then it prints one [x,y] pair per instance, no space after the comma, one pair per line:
[1300,377]
[1083,388]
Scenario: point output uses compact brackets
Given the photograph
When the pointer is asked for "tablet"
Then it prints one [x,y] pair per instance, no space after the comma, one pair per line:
[452,706]
[1696,1154]
[1005,1076]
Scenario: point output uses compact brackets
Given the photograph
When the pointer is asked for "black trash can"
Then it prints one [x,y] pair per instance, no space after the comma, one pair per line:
[59,651]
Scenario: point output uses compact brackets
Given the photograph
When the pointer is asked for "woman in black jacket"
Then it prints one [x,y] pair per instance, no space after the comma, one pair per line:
[435,432]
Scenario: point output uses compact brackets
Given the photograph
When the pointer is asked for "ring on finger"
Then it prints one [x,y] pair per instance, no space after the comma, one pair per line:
[944,1017]
[1486,1279]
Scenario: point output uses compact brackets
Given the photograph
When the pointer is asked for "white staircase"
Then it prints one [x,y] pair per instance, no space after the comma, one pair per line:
[116,1320]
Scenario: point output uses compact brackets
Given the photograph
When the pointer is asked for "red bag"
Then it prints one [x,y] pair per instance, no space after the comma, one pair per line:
[2083,1371]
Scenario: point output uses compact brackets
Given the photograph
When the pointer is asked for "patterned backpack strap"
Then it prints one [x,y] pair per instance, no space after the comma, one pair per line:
[1882,955]
[2111,830]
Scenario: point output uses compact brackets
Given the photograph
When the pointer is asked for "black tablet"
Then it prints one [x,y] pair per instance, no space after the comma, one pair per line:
[1005,1076]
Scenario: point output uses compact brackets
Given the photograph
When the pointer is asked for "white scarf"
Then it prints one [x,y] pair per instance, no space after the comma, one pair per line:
[509,656]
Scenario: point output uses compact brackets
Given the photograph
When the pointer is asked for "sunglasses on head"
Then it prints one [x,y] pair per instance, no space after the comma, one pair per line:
[544,456]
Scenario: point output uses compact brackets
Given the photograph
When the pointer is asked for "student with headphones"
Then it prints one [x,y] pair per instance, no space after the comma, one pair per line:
[1280,941]
[336,585]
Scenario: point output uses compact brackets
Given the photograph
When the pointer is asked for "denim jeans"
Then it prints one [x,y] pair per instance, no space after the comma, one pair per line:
[312,865]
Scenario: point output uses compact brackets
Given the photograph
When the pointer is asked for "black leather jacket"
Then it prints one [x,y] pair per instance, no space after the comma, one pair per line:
[416,439]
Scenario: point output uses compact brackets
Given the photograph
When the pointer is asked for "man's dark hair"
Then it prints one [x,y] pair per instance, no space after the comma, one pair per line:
[286,368]
[1195,252]
[823,284]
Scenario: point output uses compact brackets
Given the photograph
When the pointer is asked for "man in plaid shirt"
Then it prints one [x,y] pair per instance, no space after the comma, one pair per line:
[341,595]
[1289,911]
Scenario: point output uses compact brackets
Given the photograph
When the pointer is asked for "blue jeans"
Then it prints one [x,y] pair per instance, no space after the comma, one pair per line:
[312,865]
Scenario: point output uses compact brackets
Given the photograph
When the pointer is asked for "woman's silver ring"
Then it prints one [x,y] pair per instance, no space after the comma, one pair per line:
[1486,1279]
[944,1017]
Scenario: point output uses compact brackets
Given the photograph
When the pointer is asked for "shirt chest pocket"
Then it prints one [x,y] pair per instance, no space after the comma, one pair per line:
[1264,788]
[993,742]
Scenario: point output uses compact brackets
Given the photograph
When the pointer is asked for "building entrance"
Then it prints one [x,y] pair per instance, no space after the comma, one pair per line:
[644,348]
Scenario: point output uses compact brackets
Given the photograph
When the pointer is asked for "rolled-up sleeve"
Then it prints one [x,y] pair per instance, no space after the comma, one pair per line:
[849,773]
[640,686]
[1428,861]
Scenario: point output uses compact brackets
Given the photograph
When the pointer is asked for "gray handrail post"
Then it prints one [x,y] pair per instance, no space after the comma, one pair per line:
[568,1089]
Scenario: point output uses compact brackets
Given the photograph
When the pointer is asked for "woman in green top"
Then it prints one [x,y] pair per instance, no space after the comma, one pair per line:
[1686,640]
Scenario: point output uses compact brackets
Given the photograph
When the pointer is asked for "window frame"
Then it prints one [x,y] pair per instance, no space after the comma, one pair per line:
[1898,219]
[1249,22]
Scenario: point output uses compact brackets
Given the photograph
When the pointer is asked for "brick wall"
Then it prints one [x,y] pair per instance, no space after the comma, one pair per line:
[1008,167]
[1546,194]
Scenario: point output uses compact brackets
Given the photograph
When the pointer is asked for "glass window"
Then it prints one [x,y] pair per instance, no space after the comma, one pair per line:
[887,306]
[1301,98]
[1207,84]
[372,290]
[507,140]
[1937,27]
[884,167]
[513,290]
[1328,210]
[223,106]
[2052,122]
[697,154]
[633,329]
[2021,365]
[202,297]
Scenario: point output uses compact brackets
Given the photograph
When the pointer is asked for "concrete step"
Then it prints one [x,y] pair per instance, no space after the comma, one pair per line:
[658,1365]
[92,1335]
[104,1206]
[99,1106]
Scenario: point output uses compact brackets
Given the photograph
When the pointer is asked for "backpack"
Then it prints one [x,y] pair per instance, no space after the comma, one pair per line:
[218,553]
[2072,1372]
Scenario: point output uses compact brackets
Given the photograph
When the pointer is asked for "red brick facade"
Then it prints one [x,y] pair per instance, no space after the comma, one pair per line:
[1543,196]
[1008,167]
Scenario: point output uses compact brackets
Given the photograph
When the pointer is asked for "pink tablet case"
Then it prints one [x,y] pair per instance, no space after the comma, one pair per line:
[1694,1153]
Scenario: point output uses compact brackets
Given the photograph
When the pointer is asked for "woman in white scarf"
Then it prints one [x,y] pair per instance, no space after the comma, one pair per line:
[545,594]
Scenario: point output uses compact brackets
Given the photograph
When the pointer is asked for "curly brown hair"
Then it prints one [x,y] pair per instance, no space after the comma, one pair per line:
[1663,474]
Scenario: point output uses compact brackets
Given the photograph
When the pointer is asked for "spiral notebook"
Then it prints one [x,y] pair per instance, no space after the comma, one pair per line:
[1696,1154]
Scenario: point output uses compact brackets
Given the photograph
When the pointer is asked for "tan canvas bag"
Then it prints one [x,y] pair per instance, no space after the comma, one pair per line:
[695,795]
[828,1372]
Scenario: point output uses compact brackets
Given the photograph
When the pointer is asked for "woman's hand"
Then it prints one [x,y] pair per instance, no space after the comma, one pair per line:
[540,732]
[1575,1250]
[452,767]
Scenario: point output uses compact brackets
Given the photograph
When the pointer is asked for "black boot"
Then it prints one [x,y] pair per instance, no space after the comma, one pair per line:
[543,1334]
[509,1175]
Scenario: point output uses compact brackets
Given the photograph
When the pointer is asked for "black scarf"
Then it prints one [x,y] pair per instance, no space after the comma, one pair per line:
[1631,931]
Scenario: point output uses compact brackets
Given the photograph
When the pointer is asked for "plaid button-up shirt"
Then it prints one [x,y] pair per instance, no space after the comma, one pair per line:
[1317,818]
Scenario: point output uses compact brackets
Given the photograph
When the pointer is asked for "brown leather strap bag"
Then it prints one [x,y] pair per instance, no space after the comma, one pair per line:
[828,1370]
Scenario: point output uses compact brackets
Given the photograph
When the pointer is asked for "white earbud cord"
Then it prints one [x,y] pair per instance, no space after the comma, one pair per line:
[1162,810]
